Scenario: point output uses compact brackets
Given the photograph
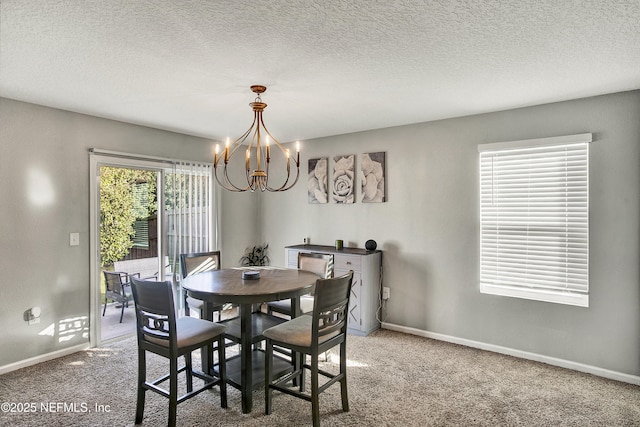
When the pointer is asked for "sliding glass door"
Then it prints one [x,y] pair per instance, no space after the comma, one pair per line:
[145,212]
[128,241]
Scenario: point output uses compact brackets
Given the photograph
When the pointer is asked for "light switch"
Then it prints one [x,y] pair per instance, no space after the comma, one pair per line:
[74,239]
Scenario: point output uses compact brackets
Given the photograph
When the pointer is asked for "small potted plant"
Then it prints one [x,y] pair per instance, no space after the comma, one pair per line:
[256,255]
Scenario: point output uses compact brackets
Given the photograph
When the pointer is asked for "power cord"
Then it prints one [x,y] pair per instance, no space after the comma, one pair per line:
[381,312]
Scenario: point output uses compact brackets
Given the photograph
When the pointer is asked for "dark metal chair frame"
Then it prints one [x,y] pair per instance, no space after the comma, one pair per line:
[116,284]
[328,329]
[157,333]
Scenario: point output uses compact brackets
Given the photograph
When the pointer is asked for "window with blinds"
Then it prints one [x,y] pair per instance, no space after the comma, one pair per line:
[534,219]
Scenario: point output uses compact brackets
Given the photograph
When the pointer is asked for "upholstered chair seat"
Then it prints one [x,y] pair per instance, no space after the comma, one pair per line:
[311,334]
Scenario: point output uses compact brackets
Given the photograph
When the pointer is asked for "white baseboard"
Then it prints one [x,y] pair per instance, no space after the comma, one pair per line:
[594,370]
[42,358]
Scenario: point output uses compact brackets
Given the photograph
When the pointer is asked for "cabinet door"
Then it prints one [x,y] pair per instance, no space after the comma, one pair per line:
[292,258]
[355,303]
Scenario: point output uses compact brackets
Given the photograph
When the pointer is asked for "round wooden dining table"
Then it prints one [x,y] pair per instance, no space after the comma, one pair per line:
[228,286]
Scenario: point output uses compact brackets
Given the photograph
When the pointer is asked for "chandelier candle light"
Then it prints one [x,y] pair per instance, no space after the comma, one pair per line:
[259,178]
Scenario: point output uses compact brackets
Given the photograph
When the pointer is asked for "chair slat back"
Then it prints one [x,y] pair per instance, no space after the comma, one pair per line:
[113,282]
[155,311]
[200,262]
[320,264]
[331,304]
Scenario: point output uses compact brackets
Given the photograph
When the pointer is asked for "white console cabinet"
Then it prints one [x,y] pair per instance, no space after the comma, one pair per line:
[365,293]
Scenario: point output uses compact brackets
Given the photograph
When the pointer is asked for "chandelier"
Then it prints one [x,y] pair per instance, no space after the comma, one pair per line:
[257,178]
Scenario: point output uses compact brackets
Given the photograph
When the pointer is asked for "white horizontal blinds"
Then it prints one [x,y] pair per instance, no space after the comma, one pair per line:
[534,218]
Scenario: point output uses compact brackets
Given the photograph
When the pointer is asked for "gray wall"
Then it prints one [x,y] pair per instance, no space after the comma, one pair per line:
[429,229]
[44,193]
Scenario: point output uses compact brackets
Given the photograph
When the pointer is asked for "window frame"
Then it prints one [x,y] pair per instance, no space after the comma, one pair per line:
[493,276]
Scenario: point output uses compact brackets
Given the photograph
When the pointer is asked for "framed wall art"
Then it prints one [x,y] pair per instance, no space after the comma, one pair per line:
[317,180]
[373,177]
[343,181]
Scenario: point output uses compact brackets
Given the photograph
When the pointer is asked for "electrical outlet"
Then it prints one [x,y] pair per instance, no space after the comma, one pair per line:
[74,239]
[33,315]
[385,292]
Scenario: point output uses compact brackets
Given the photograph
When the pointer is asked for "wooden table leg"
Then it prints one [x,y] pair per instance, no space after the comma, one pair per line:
[295,357]
[207,352]
[246,376]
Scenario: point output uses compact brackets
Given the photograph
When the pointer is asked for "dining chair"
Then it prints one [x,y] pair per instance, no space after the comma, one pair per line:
[320,265]
[117,289]
[312,335]
[195,263]
[159,331]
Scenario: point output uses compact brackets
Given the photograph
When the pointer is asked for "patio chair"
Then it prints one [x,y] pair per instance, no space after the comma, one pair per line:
[118,289]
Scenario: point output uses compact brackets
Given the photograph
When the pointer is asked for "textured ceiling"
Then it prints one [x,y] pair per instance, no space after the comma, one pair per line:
[331,66]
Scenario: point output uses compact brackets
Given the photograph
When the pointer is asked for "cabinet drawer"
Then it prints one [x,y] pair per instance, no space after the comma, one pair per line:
[346,262]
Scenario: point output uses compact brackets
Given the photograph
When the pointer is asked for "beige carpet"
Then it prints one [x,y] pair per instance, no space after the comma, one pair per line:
[394,380]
